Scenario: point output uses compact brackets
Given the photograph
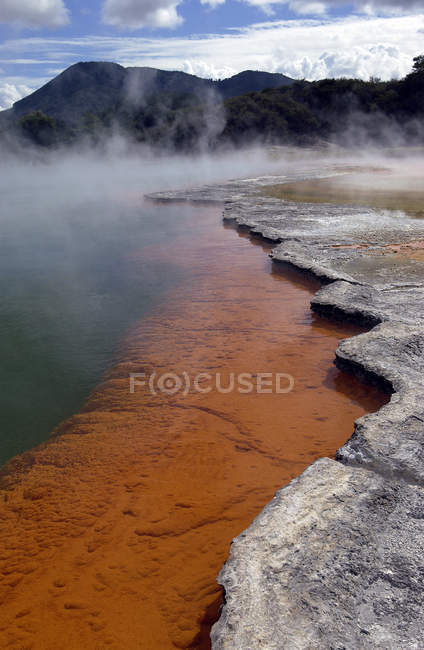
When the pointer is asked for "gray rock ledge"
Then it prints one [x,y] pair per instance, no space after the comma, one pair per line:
[335,561]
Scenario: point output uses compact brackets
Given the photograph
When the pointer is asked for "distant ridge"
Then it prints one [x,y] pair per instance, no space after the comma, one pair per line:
[92,102]
[103,87]
[251,81]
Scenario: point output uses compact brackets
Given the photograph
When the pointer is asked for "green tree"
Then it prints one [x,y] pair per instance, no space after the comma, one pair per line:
[418,63]
[39,128]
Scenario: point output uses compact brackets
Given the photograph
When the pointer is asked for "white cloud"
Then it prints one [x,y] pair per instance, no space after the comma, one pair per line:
[317,7]
[265,5]
[11,93]
[24,61]
[212,3]
[34,13]
[308,7]
[135,14]
[311,49]
[207,69]
[350,47]
[362,62]
[379,6]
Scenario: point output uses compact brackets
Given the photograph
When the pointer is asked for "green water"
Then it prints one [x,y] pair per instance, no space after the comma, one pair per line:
[75,273]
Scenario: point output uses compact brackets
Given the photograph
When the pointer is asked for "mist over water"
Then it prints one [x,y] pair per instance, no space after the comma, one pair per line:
[67,296]
[77,270]
[79,263]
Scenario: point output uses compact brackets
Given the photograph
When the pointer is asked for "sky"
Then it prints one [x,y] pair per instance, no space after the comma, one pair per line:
[304,39]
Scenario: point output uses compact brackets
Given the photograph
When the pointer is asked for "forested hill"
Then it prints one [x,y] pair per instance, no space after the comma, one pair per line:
[251,81]
[101,88]
[167,109]
[347,111]
[173,110]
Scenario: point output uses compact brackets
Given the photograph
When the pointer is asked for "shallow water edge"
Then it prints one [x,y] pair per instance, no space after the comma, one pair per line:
[345,538]
[121,522]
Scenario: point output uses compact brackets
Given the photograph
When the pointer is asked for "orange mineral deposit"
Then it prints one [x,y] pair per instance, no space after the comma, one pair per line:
[113,532]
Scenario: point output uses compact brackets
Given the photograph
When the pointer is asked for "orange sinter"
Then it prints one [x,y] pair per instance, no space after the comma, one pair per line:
[113,532]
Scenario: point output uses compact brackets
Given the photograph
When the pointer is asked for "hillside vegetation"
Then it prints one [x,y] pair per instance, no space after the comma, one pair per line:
[348,111]
[173,110]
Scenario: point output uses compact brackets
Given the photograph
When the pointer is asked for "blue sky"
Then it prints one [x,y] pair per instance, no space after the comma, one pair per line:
[302,38]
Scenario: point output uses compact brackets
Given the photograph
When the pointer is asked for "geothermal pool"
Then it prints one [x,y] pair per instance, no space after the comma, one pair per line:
[69,290]
[113,533]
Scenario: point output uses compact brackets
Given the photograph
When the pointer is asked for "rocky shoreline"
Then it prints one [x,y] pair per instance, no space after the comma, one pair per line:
[335,560]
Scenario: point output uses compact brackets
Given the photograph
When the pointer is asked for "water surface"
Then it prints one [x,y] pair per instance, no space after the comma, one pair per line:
[113,533]
[70,288]
[397,188]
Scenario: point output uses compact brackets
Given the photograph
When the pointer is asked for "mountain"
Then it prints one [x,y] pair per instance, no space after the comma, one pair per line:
[165,110]
[350,112]
[82,88]
[101,87]
[251,81]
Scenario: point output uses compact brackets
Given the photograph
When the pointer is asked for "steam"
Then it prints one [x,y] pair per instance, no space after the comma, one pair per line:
[75,266]
[86,173]
[199,126]
[138,86]
[71,222]
[121,167]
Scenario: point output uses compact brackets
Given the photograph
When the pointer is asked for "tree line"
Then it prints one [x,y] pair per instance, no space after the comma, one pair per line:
[348,111]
